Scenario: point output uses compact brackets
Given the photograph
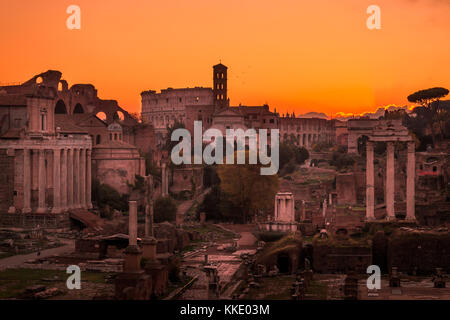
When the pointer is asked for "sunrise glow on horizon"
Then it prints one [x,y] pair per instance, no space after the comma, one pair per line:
[300,56]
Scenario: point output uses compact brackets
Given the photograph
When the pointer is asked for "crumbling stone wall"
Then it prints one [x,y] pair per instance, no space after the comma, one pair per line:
[187,178]
[331,259]
[44,221]
[422,250]
[170,238]
[346,188]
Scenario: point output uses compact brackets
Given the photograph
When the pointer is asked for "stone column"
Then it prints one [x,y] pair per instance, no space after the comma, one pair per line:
[132,224]
[26,181]
[303,217]
[64,180]
[275,214]
[149,206]
[390,182]
[282,211]
[56,181]
[88,179]
[410,182]
[70,178]
[83,178]
[42,182]
[292,209]
[76,178]
[324,208]
[133,254]
[370,184]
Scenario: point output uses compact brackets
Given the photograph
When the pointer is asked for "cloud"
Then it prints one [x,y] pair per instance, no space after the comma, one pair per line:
[371,114]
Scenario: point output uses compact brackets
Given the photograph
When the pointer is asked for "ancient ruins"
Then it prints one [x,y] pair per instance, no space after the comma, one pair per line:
[85,183]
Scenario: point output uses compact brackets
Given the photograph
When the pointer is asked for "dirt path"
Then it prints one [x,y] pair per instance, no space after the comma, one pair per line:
[184,207]
[18,260]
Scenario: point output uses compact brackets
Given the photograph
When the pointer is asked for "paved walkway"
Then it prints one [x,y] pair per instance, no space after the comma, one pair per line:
[19,260]
[184,207]
[247,239]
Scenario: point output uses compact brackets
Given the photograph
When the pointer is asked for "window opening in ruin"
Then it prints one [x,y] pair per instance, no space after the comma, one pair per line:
[43,122]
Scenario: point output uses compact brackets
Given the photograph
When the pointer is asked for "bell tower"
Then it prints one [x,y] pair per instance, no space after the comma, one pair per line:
[220,86]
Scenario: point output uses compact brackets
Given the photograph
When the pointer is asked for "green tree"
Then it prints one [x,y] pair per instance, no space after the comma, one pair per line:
[165,209]
[428,99]
[341,159]
[286,154]
[301,155]
[169,144]
[246,188]
[104,195]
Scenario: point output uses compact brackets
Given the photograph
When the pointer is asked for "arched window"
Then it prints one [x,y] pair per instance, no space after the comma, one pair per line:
[101,115]
[60,107]
[78,108]
[118,115]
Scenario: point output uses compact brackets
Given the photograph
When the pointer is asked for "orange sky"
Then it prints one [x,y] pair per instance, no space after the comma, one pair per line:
[295,55]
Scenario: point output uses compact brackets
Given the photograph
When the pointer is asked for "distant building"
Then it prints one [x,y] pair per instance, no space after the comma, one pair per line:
[212,107]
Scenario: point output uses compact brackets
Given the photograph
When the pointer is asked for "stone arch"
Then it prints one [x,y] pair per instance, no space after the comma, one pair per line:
[78,108]
[284,262]
[101,115]
[60,107]
[119,115]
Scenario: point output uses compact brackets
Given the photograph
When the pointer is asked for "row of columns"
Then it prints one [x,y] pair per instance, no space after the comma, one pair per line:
[71,179]
[390,182]
[284,207]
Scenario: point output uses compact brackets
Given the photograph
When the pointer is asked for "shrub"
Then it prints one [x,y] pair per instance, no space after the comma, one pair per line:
[165,209]
[301,155]
[104,195]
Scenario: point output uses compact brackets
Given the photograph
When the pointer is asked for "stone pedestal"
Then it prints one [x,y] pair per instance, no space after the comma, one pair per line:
[159,275]
[133,286]
[132,263]
[149,248]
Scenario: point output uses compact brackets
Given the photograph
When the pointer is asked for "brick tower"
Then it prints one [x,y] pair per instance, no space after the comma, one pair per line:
[220,86]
